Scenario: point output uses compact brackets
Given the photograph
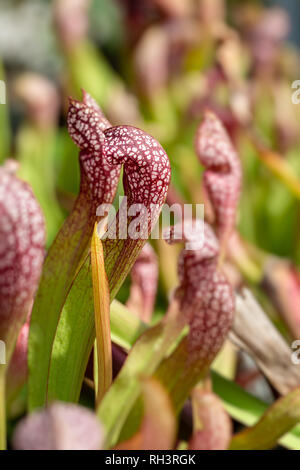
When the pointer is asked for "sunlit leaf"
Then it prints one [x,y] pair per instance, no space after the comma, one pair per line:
[102,319]
[143,360]
[280,418]
[212,427]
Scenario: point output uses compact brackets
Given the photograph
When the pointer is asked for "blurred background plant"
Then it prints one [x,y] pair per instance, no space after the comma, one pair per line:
[158,65]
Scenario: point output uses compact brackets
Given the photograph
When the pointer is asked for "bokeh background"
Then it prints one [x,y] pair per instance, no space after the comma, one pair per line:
[158,64]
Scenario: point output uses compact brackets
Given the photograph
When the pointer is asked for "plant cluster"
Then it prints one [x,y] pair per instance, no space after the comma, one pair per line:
[116,342]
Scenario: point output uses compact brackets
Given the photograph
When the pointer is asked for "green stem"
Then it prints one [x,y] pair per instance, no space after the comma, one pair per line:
[2,410]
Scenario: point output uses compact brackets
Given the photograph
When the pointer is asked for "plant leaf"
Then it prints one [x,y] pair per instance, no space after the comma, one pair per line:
[75,333]
[251,331]
[21,255]
[212,427]
[144,279]
[102,319]
[44,314]
[222,175]
[247,409]
[68,250]
[158,427]
[143,360]
[4,124]
[126,328]
[206,302]
[282,416]
[280,167]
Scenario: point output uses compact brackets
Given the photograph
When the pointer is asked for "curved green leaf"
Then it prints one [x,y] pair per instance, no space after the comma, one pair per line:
[58,273]
[247,409]
[75,332]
